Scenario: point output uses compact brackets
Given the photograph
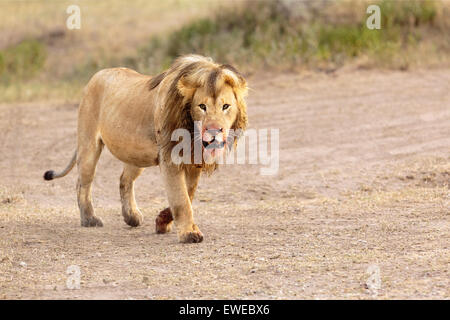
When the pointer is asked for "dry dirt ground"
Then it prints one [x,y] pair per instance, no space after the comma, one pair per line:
[362,191]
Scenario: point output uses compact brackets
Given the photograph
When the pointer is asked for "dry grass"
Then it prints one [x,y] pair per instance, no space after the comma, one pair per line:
[110,31]
[255,35]
[321,252]
[286,35]
[364,181]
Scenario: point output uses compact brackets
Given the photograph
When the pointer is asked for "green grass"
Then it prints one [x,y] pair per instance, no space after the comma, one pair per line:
[405,13]
[22,61]
[265,33]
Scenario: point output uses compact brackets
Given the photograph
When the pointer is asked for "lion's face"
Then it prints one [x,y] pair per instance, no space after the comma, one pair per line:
[216,115]
[205,97]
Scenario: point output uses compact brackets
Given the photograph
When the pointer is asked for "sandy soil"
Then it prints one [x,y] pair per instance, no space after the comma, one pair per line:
[363,185]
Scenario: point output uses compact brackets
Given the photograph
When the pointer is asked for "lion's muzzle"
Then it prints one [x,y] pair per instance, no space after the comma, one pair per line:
[213,139]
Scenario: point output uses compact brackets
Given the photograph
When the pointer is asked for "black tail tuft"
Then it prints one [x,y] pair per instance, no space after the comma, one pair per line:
[48,175]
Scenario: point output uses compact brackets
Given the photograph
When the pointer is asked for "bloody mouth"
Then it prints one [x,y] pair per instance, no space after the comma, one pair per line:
[213,139]
[213,144]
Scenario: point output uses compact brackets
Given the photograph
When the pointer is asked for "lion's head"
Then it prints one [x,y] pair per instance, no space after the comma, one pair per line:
[200,91]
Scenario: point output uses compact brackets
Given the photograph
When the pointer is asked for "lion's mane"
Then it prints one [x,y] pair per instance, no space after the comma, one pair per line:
[176,87]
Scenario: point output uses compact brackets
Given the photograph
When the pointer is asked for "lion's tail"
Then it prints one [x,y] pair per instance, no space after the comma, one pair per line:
[50,175]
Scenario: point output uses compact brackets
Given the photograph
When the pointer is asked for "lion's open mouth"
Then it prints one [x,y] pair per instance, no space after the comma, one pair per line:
[213,144]
[213,139]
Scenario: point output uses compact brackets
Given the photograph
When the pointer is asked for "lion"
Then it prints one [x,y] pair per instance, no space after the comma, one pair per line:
[134,115]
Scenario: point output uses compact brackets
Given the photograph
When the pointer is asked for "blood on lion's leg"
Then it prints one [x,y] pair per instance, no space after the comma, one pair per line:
[180,204]
[164,220]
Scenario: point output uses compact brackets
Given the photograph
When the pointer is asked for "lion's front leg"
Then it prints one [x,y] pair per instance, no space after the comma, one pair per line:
[164,220]
[180,204]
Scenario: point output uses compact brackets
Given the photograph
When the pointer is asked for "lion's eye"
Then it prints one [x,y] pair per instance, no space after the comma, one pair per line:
[202,106]
[225,107]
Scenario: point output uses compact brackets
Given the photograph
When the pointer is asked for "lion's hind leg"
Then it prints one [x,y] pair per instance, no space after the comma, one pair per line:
[131,214]
[87,159]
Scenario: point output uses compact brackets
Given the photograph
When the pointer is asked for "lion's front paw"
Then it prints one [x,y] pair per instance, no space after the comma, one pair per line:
[191,236]
[133,218]
[92,221]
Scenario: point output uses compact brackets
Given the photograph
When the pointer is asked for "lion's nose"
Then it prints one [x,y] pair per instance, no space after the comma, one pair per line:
[212,133]
[213,127]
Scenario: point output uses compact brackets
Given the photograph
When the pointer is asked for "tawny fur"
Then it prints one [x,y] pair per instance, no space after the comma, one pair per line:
[134,115]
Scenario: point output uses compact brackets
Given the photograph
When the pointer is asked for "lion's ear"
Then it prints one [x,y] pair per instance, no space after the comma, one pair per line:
[242,89]
[241,121]
[236,81]
[186,88]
